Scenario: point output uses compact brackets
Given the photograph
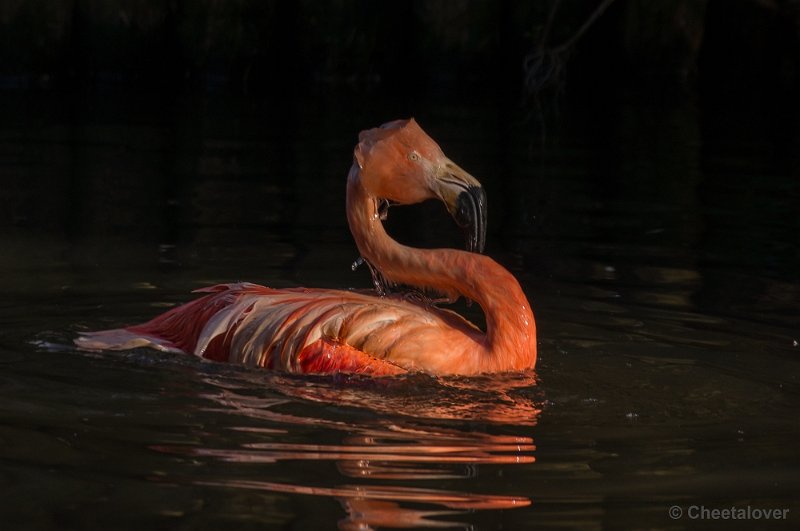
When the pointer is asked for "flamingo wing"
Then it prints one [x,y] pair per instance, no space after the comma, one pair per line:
[296,330]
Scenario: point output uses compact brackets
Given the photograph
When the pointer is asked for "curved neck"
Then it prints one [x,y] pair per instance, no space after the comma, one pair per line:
[510,339]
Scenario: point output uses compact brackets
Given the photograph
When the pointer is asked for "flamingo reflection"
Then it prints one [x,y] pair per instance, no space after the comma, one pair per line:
[377,451]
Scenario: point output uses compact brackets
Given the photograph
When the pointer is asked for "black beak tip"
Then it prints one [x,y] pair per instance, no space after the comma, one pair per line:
[470,215]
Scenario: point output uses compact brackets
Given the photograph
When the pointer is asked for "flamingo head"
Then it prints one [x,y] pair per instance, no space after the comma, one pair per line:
[400,163]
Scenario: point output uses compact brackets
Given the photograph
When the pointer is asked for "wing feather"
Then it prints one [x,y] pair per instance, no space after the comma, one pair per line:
[260,326]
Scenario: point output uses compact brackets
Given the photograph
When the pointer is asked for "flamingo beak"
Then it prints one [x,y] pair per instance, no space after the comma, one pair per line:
[465,199]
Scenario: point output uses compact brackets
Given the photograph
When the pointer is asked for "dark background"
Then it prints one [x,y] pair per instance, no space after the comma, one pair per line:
[745,50]
[166,123]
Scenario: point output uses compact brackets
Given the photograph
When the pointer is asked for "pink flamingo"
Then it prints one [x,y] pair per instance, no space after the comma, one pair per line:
[325,331]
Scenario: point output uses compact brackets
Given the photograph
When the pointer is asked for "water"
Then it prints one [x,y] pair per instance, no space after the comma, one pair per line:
[658,246]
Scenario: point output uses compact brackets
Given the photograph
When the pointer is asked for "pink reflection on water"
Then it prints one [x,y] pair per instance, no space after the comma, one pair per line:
[379,505]
[402,438]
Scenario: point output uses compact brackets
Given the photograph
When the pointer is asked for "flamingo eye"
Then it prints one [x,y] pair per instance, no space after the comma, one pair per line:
[414,156]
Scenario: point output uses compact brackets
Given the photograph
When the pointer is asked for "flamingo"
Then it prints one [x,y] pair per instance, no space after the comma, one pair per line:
[325,331]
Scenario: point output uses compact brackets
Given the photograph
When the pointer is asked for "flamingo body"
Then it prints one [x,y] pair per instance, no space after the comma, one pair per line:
[324,331]
[297,330]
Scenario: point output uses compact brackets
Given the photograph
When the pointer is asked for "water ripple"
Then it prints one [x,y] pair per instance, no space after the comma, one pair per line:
[369,445]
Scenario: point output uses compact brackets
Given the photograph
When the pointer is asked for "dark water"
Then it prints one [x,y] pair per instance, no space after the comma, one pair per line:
[659,247]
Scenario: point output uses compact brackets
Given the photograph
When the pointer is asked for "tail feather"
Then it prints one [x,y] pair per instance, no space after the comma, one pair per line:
[123,339]
[174,331]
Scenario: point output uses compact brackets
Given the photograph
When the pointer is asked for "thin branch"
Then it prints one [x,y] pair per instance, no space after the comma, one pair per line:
[545,66]
[550,18]
[586,25]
